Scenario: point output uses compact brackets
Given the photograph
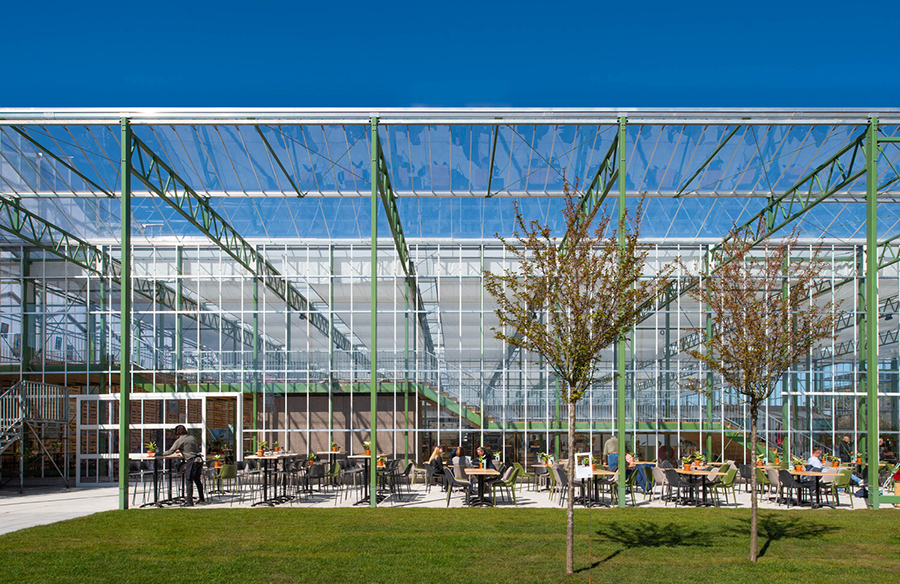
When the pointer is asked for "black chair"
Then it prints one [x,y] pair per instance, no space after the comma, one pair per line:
[788,482]
[453,482]
[675,481]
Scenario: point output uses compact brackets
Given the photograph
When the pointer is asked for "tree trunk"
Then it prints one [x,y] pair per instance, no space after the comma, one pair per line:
[570,490]
[754,512]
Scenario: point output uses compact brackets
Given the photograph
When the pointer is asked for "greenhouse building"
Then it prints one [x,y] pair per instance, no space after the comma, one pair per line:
[317,276]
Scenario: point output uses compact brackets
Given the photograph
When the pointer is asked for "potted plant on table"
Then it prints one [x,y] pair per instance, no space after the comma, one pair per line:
[834,460]
[380,461]
[261,448]
[545,458]
[686,460]
[368,447]
[311,457]
[699,459]
[760,459]
[276,447]
[334,447]
[151,448]
[217,460]
[797,463]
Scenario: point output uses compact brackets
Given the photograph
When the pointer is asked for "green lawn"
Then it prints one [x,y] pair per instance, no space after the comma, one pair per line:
[453,546]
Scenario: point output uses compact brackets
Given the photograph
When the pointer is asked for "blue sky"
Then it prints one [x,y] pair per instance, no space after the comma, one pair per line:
[396,54]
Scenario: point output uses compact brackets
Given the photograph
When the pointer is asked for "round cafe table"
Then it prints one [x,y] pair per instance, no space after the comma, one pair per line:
[480,474]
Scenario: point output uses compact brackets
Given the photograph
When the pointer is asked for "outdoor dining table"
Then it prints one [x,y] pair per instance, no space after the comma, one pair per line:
[818,476]
[601,472]
[268,468]
[158,461]
[365,500]
[481,474]
[704,477]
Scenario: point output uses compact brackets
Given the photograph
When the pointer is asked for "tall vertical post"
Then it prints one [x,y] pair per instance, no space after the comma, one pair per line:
[872,309]
[710,399]
[331,376]
[179,306]
[125,319]
[620,352]
[373,373]
[256,383]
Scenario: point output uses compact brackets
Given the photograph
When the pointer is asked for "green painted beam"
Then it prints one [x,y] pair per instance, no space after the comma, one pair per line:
[167,185]
[389,200]
[601,183]
[871,356]
[37,231]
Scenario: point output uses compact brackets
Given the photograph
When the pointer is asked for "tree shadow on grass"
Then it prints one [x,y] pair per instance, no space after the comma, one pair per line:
[645,534]
[774,528]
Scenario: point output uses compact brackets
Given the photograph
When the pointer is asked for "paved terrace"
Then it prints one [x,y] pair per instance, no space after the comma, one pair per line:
[43,505]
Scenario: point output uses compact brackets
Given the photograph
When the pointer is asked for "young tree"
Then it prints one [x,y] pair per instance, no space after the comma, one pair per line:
[766,319]
[569,300]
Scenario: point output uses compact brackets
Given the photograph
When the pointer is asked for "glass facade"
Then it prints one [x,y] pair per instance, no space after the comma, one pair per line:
[294,340]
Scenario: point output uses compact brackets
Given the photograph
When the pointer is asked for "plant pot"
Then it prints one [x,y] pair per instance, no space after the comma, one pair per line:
[798,467]
[368,453]
[687,467]
[151,453]
[311,462]
[759,463]
[278,449]
[334,449]
[218,464]
[259,452]
[859,461]
[777,461]
[594,467]
[835,464]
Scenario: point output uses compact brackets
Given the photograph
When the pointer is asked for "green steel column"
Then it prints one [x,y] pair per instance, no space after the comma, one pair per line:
[125,319]
[331,380]
[710,399]
[104,354]
[872,309]
[255,387]
[406,370]
[373,377]
[620,361]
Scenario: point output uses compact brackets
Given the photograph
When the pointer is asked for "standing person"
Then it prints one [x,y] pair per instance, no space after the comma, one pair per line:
[611,446]
[186,445]
[845,450]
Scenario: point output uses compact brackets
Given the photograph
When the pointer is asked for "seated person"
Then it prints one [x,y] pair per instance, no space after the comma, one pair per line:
[488,457]
[613,460]
[436,462]
[814,464]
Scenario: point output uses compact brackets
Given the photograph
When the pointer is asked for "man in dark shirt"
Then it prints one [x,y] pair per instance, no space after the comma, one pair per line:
[193,463]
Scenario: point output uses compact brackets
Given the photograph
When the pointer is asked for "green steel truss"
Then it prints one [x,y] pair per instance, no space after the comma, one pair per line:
[163,182]
[601,184]
[35,230]
[389,199]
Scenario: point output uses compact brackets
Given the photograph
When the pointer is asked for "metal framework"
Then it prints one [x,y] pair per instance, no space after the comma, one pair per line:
[826,172]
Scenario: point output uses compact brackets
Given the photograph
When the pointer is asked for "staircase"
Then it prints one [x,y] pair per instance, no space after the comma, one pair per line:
[11,417]
[29,402]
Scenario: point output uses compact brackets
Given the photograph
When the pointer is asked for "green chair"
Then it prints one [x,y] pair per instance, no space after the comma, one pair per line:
[842,481]
[509,484]
[724,485]
[649,480]
[552,477]
[529,477]
[762,481]
[629,486]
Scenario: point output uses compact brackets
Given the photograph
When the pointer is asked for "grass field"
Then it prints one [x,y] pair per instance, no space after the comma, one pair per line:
[454,546]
